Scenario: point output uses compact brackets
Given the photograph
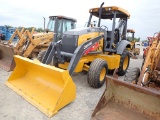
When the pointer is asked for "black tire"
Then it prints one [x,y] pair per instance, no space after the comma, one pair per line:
[97,73]
[41,55]
[125,57]
[132,75]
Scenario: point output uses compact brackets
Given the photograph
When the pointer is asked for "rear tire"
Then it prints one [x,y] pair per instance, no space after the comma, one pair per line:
[132,75]
[97,73]
[124,63]
[41,55]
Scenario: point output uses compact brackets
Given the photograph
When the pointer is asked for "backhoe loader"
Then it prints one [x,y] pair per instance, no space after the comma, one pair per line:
[30,45]
[94,49]
[134,51]
[125,101]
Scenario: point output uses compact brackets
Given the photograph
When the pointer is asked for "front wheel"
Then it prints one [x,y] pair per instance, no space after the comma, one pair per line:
[97,73]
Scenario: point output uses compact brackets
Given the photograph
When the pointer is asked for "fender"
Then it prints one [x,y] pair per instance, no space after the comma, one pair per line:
[122,45]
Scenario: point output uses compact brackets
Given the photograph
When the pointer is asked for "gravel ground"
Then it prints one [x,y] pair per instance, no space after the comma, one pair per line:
[14,107]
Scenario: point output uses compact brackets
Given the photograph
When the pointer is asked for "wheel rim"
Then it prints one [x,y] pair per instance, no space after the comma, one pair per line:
[102,74]
[125,63]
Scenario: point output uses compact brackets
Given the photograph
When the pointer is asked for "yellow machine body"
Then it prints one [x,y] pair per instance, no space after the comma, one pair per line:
[112,60]
[46,87]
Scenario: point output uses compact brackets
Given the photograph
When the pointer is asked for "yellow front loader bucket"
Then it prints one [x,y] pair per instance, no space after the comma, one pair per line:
[46,87]
[6,57]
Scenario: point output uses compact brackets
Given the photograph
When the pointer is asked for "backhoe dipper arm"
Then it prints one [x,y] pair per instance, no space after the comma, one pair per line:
[124,29]
[80,51]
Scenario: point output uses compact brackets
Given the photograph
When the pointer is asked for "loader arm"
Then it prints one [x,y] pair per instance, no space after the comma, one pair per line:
[80,51]
[17,32]
[22,41]
[35,42]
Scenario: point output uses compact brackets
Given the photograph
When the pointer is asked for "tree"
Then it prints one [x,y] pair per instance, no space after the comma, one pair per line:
[8,26]
[40,30]
[29,28]
[136,39]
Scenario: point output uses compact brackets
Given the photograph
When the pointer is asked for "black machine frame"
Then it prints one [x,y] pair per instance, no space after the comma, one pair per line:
[109,14]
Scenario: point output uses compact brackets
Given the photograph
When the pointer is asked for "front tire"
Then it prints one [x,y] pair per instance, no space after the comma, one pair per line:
[97,73]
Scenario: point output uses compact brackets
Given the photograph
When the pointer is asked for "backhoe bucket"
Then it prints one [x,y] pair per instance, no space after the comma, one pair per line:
[44,86]
[6,57]
[124,101]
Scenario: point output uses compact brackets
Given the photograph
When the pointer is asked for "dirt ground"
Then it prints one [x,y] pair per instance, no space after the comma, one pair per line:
[14,107]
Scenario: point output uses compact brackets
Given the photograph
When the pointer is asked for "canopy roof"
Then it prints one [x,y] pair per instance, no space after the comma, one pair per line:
[107,12]
[62,17]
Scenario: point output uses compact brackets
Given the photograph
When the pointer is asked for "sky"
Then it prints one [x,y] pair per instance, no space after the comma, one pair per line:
[145,14]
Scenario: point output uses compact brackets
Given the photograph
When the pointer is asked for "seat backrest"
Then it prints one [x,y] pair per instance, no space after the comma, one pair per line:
[109,34]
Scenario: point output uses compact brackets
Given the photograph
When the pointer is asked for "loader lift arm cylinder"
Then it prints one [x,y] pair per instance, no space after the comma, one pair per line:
[50,51]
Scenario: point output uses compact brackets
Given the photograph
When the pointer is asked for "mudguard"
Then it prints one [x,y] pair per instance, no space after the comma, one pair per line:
[122,45]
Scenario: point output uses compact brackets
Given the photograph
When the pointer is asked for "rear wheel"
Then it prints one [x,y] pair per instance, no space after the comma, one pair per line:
[124,63]
[132,75]
[97,73]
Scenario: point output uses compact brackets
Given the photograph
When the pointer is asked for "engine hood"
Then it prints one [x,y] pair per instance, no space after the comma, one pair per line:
[81,31]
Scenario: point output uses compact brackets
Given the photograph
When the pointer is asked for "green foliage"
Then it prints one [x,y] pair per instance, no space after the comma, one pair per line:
[8,26]
[40,30]
[144,40]
[27,28]
[136,39]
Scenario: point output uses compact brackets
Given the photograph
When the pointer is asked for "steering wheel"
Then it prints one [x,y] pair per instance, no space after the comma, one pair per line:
[105,27]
